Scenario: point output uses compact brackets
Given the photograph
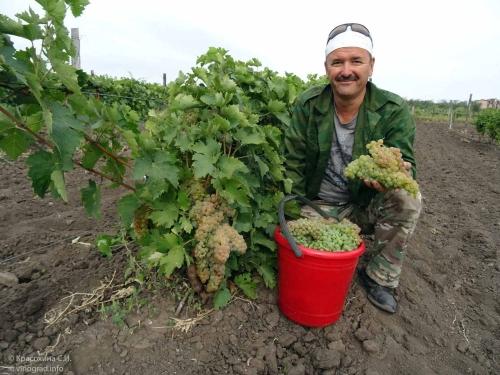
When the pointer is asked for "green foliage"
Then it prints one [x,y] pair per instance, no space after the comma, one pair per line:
[214,132]
[105,244]
[246,284]
[488,123]
[429,111]
[222,131]
[222,298]
[138,95]
[91,199]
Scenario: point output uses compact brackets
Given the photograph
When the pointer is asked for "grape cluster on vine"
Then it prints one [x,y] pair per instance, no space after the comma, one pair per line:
[140,220]
[385,165]
[325,234]
[215,239]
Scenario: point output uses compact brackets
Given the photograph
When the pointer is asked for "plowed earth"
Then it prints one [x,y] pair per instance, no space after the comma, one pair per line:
[448,319]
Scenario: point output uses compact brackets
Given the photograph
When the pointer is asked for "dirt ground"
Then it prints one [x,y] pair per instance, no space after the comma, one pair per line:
[448,319]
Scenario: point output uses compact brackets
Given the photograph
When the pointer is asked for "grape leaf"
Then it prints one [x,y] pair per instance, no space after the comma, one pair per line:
[90,156]
[91,199]
[104,243]
[14,142]
[268,275]
[247,285]
[64,133]
[243,222]
[77,6]
[9,26]
[67,75]
[57,178]
[263,168]
[183,101]
[162,166]
[127,206]
[222,298]
[260,239]
[215,99]
[55,8]
[233,192]
[247,136]
[205,157]
[167,216]
[276,106]
[41,164]
[228,166]
[174,259]
[202,166]
[183,200]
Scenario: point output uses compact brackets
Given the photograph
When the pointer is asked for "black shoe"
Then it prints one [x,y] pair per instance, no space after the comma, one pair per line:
[381,296]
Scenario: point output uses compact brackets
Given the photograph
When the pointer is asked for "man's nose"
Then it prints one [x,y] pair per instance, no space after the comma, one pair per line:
[346,69]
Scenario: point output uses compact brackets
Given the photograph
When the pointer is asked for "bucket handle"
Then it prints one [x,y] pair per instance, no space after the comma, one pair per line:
[284,226]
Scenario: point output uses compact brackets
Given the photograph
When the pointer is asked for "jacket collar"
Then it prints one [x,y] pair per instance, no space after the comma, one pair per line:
[374,98]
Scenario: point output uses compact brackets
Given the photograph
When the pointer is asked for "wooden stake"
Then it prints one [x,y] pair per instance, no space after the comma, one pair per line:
[75,38]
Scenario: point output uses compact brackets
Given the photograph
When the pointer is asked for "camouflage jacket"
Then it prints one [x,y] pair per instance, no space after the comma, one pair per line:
[309,138]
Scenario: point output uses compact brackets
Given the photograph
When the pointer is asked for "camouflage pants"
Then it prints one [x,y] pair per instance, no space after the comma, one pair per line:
[392,218]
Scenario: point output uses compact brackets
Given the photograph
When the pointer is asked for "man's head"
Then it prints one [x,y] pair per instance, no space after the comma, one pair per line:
[349,61]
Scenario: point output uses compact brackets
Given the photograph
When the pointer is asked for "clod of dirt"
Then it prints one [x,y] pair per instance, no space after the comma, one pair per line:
[10,335]
[287,339]
[8,279]
[270,357]
[462,347]
[309,337]
[326,359]
[347,361]
[20,326]
[258,365]
[41,343]
[362,334]
[272,319]
[297,370]
[371,346]
[32,306]
[300,349]
[337,346]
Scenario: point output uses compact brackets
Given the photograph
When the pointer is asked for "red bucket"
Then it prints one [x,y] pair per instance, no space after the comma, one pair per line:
[312,288]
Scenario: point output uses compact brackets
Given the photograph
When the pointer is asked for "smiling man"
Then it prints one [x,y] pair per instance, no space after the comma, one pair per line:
[331,126]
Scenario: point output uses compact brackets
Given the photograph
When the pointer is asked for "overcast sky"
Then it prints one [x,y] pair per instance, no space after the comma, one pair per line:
[424,49]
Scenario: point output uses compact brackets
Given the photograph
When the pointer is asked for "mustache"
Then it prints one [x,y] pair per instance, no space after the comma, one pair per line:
[342,78]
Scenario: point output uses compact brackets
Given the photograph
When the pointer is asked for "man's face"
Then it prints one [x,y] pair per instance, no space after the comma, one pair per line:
[348,70]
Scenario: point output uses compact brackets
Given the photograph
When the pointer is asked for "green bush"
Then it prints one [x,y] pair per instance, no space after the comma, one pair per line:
[488,122]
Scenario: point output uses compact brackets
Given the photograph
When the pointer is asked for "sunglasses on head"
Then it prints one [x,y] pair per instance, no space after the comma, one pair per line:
[359,28]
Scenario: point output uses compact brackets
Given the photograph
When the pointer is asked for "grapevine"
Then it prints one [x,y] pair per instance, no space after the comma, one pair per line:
[385,165]
[201,159]
[326,234]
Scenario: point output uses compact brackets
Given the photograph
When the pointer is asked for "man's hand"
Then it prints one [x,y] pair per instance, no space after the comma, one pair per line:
[375,185]
[407,167]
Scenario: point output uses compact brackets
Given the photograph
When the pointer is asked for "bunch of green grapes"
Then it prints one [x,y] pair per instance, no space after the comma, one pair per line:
[385,165]
[215,239]
[325,234]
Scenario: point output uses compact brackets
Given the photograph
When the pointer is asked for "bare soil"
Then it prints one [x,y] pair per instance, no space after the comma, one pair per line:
[448,319]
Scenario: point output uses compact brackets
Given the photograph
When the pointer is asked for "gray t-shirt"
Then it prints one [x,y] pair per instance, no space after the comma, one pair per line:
[333,188]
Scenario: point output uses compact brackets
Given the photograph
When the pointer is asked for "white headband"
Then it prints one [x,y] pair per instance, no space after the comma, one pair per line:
[349,38]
